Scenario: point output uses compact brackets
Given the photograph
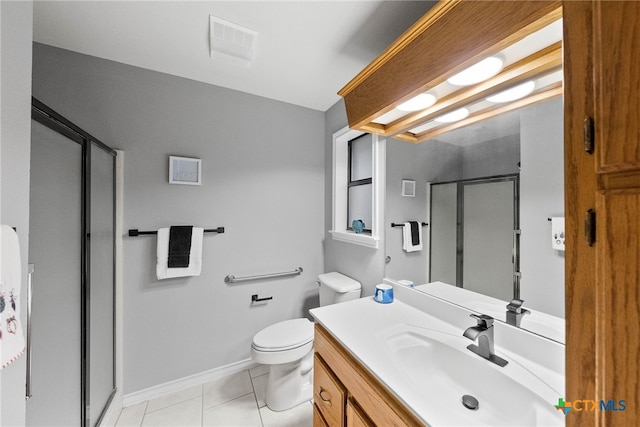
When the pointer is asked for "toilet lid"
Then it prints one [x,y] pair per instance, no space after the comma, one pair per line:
[283,335]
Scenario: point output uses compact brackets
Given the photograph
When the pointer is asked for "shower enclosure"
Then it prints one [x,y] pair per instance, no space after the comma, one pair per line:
[475,235]
[71,346]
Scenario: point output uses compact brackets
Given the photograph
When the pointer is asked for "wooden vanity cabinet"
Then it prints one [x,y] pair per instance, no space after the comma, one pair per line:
[347,394]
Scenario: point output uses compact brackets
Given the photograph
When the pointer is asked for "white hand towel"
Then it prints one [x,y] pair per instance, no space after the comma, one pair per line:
[407,242]
[195,256]
[12,342]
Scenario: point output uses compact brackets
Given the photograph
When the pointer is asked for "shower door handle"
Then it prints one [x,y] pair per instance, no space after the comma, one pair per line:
[516,263]
[31,269]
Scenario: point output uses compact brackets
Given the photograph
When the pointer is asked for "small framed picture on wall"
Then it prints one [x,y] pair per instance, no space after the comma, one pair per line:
[185,170]
[408,188]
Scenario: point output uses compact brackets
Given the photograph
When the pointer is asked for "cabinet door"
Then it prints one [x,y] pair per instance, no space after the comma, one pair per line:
[356,417]
[617,125]
[318,421]
[618,303]
[617,91]
[328,394]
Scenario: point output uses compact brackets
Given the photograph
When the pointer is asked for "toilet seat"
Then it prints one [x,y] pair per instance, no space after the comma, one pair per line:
[283,342]
[285,335]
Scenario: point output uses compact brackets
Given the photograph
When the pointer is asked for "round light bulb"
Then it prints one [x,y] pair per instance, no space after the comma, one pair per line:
[478,72]
[453,116]
[513,93]
[418,102]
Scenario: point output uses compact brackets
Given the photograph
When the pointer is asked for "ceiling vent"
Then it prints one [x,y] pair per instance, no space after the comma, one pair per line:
[231,42]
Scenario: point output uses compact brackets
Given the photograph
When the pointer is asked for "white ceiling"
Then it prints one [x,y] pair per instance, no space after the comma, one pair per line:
[305,52]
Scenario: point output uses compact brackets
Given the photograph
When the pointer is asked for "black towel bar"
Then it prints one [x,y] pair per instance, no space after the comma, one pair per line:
[134,232]
[393,224]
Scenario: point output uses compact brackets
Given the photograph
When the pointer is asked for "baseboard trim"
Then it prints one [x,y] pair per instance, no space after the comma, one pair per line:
[186,382]
[112,413]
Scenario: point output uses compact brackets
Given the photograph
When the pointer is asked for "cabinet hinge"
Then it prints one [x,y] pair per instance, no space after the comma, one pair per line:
[589,135]
[590,227]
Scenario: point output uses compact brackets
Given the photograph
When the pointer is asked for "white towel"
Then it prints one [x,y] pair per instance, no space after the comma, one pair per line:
[407,242]
[195,255]
[12,342]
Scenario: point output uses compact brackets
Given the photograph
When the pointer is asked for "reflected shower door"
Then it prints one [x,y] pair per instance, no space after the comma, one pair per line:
[472,239]
[488,238]
[444,232]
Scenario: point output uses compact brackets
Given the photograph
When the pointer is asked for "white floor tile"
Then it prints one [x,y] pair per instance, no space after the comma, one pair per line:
[242,412]
[300,416]
[182,414]
[260,389]
[131,416]
[259,370]
[173,398]
[228,388]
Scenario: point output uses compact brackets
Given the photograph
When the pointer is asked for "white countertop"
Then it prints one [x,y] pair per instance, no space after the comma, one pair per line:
[358,325]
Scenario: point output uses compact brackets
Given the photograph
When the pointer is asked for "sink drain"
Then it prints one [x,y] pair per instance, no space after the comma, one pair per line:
[470,402]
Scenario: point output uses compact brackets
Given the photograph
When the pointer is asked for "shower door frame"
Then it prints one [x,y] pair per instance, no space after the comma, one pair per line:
[49,118]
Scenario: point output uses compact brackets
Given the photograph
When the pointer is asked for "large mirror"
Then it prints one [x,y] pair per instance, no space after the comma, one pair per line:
[491,197]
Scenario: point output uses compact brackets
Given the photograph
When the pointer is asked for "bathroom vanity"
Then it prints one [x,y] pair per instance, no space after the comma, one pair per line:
[407,363]
[346,394]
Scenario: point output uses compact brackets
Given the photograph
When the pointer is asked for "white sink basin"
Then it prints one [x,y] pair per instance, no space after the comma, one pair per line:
[445,370]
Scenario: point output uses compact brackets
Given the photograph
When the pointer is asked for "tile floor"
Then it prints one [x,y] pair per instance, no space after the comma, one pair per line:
[235,400]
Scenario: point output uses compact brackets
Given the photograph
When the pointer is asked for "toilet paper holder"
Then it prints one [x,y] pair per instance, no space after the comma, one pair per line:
[255,299]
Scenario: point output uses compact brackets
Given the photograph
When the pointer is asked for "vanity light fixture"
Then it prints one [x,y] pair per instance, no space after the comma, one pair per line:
[478,72]
[453,116]
[516,92]
[418,102]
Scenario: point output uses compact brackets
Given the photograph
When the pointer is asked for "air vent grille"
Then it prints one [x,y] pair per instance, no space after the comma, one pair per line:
[231,42]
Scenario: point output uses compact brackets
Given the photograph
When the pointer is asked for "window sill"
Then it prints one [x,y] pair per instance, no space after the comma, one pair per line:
[356,239]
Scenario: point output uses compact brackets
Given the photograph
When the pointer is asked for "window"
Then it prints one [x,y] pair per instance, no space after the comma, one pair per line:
[358,186]
[360,182]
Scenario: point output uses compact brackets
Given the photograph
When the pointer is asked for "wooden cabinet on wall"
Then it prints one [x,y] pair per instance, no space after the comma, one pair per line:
[603,276]
[346,394]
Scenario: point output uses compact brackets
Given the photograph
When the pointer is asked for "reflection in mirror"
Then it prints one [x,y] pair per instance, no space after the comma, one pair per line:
[525,147]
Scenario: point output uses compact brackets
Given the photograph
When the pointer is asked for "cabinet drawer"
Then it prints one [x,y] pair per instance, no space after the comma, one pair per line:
[328,393]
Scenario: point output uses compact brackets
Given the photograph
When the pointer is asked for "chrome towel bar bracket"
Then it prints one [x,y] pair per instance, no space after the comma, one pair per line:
[233,279]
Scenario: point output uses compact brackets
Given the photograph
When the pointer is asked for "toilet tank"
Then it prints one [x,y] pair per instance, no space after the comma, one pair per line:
[336,287]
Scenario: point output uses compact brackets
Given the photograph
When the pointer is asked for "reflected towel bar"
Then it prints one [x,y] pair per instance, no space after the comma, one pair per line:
[393,224]
[233,279]
[134,232]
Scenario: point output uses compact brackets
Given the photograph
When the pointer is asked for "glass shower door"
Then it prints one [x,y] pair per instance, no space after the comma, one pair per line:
[101,283]
[71,377]
[55,249]
[488,238]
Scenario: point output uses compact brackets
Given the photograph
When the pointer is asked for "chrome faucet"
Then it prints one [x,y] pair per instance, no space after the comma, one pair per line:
[515,311]
[483,333]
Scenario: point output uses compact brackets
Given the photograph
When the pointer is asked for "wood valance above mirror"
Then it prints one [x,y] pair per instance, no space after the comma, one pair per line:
[452,36]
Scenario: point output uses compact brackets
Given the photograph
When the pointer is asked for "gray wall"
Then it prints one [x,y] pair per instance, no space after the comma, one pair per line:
[263,180]
[361,263]
[16,27]
[431,161]
[542,196]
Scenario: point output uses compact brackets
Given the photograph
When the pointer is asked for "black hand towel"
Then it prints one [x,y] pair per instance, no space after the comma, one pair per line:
[415,235]
[179,246]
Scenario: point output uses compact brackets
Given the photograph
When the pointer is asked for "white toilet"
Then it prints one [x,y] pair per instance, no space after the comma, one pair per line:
[288,347]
